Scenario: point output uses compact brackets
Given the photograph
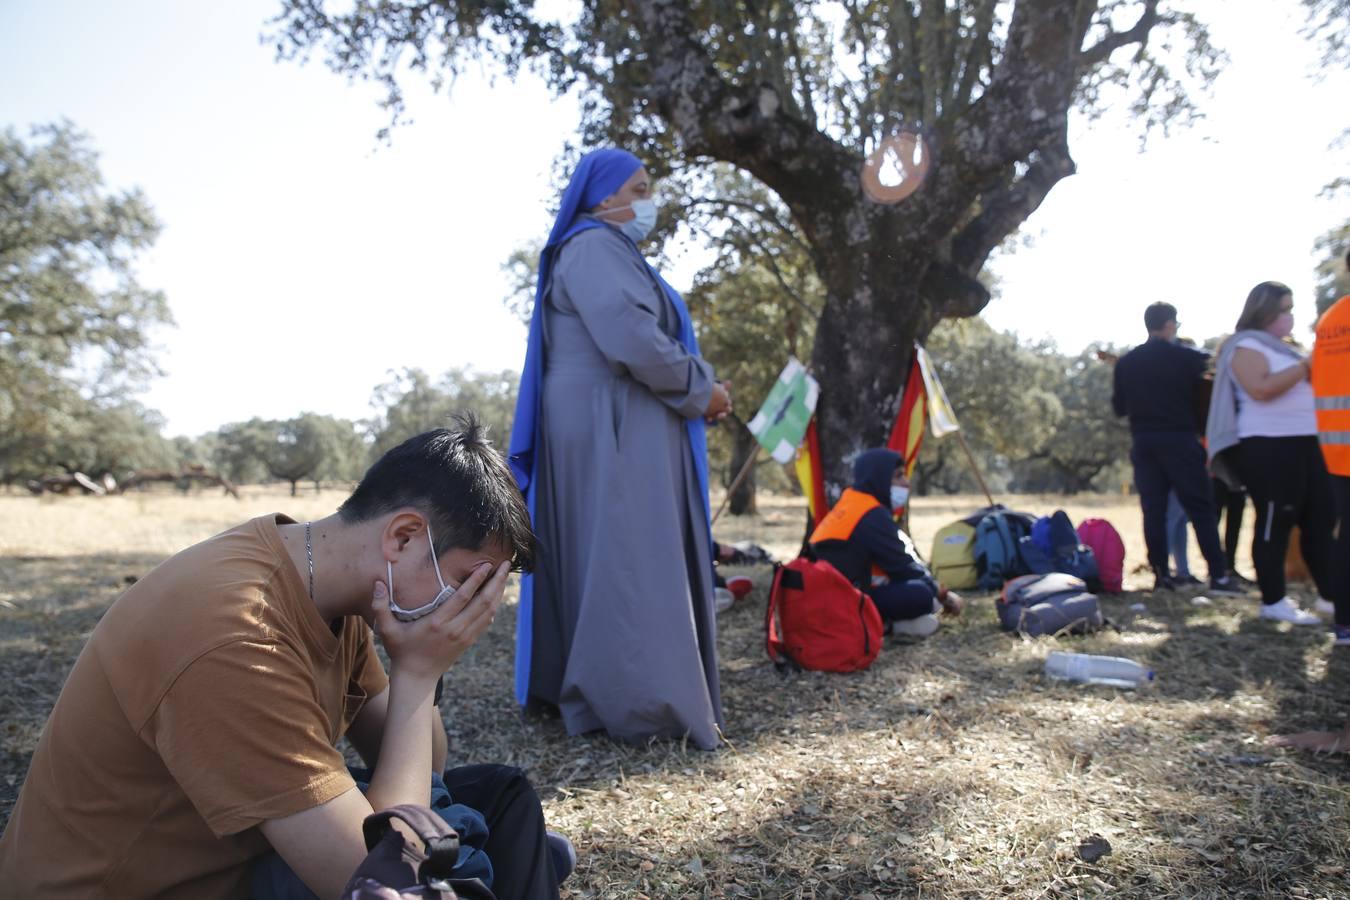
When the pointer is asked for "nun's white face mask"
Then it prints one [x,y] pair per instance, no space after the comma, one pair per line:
[643,221]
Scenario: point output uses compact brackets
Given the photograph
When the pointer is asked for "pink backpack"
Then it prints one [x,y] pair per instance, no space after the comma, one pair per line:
[1109,549]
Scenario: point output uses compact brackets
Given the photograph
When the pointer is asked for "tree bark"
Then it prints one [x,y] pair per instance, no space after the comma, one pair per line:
[744,448]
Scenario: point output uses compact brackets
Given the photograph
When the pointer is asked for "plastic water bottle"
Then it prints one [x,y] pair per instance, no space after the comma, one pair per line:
[1112,671]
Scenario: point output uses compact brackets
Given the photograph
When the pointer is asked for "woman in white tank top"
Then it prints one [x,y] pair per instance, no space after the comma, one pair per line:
[1277,455]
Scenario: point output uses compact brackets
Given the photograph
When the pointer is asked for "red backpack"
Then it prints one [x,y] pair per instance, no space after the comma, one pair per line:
[827,624]
[1109,549]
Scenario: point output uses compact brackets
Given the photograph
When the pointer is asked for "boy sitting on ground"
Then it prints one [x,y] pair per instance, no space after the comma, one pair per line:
[859,537]
[197,730]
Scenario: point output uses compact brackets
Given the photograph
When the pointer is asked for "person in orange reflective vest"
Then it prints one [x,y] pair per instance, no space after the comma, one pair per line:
[1331,392]
[859,537]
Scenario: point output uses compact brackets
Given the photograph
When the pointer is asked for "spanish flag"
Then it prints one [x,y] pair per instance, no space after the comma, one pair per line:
[905,439]
[809,473]
[907,431]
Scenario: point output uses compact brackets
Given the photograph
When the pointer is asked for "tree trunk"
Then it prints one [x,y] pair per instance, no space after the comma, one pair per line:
[295,487]
[744,447]
[862,352]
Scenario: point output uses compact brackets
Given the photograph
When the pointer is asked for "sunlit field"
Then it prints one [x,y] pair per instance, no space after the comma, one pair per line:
[952,767]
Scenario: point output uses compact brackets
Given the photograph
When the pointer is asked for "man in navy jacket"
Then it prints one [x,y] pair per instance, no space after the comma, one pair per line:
[1155,384]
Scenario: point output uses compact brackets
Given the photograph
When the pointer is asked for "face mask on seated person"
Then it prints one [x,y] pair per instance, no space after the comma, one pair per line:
[899,496]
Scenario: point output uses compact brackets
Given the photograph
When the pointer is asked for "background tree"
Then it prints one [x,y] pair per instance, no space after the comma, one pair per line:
[1089,443]
[1003,394]
[116,440]
[755,305]
[411,404]
[74,320]
[797,94]
[346,451]
[238,450]
[294,449]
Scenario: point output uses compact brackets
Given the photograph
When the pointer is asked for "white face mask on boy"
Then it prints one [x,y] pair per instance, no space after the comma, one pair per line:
[447,590]
[899,496]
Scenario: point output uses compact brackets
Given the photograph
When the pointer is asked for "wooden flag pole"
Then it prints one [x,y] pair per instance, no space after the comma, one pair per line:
[736,482]
[975,468]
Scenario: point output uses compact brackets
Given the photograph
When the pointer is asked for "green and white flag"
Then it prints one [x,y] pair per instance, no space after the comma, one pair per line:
[781,422]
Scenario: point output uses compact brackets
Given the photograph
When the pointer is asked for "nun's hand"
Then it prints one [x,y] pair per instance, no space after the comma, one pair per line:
[719,407]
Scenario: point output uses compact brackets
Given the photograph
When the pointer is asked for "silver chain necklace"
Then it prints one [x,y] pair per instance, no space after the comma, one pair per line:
[309,554]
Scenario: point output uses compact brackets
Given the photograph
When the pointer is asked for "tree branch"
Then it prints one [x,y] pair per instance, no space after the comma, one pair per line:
[1004,210]
[766,256]
[728,203]
[745,125]
[1113,41]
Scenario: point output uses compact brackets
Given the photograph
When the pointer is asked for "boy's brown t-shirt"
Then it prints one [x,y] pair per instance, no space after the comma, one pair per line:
[209,699]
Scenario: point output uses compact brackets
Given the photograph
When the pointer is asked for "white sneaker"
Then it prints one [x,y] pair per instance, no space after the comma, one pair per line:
[1325,607]
[722,599]
[1286,610]
[922,626]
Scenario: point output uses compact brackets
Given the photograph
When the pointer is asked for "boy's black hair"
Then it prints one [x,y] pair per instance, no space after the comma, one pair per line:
[1159,314]
[459,482]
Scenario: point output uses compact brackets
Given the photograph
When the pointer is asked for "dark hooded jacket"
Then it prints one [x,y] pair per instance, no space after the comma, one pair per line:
[875,540]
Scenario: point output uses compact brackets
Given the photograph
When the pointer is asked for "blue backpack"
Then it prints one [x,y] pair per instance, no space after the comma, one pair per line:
[998,555]
[1053,546]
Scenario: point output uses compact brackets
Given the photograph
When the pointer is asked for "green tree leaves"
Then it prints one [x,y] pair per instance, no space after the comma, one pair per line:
[74,321]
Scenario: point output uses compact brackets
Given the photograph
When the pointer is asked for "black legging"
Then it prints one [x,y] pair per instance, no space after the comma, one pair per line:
[1340,560]
[1288,482]
[1229,504]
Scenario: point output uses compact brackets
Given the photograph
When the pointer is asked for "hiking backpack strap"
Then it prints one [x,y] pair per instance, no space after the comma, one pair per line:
[773,641]
[785,578]
[440,840]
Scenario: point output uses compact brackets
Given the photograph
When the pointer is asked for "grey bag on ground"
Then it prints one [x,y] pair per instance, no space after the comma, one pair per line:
[1054,603]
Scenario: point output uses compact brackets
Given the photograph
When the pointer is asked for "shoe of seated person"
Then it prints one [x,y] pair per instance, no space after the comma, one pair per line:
[740,586]
[564,855]
[722,599]
[920,626]
[1324,606]
[1286,610]
[1340,635]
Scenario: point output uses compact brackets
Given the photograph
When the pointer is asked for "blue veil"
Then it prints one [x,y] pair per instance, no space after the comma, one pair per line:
[599,174]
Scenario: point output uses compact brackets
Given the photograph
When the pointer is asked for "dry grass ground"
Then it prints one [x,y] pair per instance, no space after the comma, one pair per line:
[950,768]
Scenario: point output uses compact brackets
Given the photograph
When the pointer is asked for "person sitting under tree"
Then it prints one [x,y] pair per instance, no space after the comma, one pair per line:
[859,537]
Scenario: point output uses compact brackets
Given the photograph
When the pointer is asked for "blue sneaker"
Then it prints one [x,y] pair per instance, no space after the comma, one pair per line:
[563,853]
[1340,635]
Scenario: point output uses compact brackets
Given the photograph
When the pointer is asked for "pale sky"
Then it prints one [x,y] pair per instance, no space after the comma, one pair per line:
[303,261]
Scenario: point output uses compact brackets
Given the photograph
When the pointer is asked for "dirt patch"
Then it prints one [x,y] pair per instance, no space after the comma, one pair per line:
[950,768]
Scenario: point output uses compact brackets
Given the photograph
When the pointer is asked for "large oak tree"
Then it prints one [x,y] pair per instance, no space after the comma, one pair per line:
[797,95]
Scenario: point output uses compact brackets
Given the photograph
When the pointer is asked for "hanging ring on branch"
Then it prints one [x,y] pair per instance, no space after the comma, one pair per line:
[896,168]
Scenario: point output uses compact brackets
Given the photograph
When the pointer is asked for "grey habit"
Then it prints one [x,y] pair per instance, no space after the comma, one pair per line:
[625,635]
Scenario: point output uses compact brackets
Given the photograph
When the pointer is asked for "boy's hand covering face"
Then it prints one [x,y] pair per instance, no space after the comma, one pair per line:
[432,643]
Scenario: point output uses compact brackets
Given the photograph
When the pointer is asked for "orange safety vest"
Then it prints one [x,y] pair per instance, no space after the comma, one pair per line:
[839,524]
[1331,385]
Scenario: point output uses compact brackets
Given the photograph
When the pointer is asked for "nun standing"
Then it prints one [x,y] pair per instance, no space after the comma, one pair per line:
[616,627]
